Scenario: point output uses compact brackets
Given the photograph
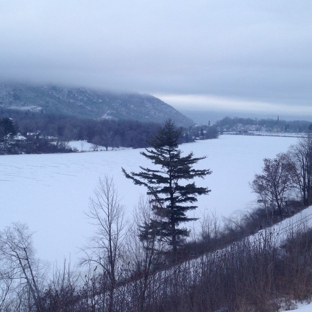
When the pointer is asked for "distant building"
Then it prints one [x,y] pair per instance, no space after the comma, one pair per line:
[18,138]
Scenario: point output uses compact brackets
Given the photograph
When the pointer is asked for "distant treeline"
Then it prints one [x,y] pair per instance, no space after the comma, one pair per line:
[266,124]
[105,132]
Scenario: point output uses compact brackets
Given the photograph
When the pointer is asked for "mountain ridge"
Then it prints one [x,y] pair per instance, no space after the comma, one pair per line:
[89,103]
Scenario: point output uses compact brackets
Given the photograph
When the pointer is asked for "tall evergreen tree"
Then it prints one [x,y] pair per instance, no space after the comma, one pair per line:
[171,197]
[8,126]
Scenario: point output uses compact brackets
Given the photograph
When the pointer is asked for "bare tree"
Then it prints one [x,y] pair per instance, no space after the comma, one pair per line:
[7,287]
[145,255]
[21,273]
[106,246]
[275,182]
[301,155]
[210,226]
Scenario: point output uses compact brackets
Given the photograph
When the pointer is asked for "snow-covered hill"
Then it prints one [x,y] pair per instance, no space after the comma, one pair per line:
[86,103]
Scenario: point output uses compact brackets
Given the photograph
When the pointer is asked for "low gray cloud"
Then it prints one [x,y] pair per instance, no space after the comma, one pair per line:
[253,51]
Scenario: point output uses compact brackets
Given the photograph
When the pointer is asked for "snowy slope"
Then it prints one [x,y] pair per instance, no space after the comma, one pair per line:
[303,307]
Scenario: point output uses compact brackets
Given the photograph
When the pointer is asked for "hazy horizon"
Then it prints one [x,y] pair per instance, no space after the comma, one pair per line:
[204,117]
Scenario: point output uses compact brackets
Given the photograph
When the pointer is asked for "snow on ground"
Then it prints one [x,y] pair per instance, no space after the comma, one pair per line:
[51,192]
[303,307]
[84,146]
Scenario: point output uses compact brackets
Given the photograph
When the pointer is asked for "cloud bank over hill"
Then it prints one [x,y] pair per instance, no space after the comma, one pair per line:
[253,56]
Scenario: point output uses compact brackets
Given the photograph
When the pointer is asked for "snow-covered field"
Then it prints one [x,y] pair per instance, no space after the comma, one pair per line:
[50,193]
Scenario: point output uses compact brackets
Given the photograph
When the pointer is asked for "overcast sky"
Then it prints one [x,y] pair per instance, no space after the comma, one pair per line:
[243,55]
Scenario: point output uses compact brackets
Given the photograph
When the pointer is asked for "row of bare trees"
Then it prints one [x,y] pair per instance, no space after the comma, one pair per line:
[122,273]
[114,257]
[258,273]
[286,180]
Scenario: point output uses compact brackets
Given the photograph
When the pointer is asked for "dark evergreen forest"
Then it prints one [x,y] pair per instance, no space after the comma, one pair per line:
[105,132]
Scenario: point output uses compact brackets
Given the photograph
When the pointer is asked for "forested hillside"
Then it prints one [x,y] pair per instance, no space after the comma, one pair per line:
[39,130]
[87,103]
